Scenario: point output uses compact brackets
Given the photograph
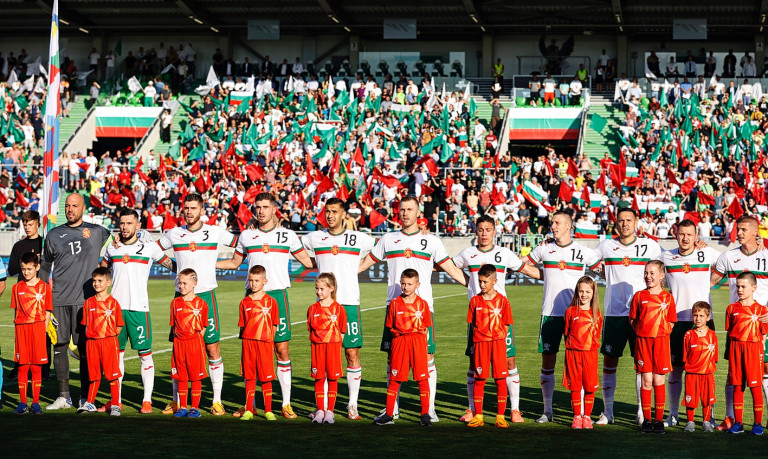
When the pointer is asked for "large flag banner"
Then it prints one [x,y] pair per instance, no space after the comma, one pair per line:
[49,202]
[125,121]
[544,123]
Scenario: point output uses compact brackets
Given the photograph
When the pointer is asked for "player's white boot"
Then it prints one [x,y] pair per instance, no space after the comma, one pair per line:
[604,420]
[672,421]
[546,417]
[60,403]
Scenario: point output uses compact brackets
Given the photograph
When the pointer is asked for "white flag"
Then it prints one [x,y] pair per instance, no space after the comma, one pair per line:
[431,102]
[289,87]
[203,90]
[40,85]
[12,78]
[212,80]
[133,85]
[43,71]
[713,81]
[650,76]
[28,84]
[168,68]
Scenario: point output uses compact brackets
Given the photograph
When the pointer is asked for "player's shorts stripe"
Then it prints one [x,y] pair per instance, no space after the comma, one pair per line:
[476,268]
[266,248]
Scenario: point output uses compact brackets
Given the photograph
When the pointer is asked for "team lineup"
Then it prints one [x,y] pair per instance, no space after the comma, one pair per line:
[666,331]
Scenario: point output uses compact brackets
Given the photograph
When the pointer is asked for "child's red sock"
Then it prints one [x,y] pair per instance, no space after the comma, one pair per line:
[183,391]
[738,403]
[22,378]
[197,392]
[757,402]
[114,391]
[266,391]
[501,397]
[250,391]
[645,399]
[706,412]
[479,395]
[320,394]
[690,414]
[576,402]
[424,395]
[37,381]
[589,403]
[392,391]
[660,399]
[93,389]
[333,390]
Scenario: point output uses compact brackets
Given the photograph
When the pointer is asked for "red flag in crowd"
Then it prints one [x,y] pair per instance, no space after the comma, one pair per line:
[96,202]
[425,190]
[573,169]
[736,211]
[601,183]
[250,195]
[3,217]
[692,216]
[162,170]
[321,217]
[635,204]
[497,197]
[213,218]
[671,176]
[3,197]
[687,186]
[244,216]
[301,201]
[21,200]
[616,176]
[566,192]
[586,197]
[169,222]
[195,170]
[343,193]
[335,166]
[287,169]
[706,199]
[550,168]
[358,157]
[375,219]
[254,171]
[388,180]
[22,183]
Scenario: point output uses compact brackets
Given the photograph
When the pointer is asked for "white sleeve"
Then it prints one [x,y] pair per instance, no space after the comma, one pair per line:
[536,254]
[306,241]
[591,258]
[459,260]
[366,244]
[378,252]
[439,254]
[513,261]
[165,241]
[294,243]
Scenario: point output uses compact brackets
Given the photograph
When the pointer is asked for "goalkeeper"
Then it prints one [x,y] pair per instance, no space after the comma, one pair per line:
[32,302]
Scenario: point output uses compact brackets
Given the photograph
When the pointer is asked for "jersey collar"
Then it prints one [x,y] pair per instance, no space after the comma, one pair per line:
[337,234]
[485,251]
[267,231]
[564,245]
[745,253]
[627,245]
[194,231]
[409,234]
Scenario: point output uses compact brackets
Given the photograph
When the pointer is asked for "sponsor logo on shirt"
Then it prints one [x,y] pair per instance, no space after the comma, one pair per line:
[63,236]
[473,256]
[397,241]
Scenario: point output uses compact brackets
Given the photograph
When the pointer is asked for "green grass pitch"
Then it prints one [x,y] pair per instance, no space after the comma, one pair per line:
[150,435]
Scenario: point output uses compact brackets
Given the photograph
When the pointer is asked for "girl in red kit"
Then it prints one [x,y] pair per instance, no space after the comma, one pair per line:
[652,315]
[327,322]
[583,328]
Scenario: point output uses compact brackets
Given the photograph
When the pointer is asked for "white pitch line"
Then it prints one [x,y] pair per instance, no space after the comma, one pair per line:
[163,351]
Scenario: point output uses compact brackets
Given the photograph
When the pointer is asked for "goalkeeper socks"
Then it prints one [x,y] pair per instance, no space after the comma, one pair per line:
[114,389]
[37,380]
[513,388]
[432,381]
[501,396]
[197,391]
[354,376]
[266,391]
[729,412]
[333,391]
[147,374]
[547,379]
[478,396]
[61,365]
[175,392]
[609,390]
[182,388]
[216,369]
[250,392]
[284,378]
[22,379]
[121,364]
[471,390]
[675,389]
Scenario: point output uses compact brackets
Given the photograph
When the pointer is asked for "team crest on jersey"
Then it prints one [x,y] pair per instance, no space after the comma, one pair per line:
[174,371]
[561,265]
[314,371]
[196,312]
[86,233]
[479,370]
[192,246]
[754,317]
[265,311]
[394,372]
[333,318]
[496,311]
[265,248]
[640,363]
[408,253]
[663,306]
[39,296]
[417,314]
[126,258]
[686,268]
[688,399]
[711,347]
[335,250]
[625,261]
[107,312]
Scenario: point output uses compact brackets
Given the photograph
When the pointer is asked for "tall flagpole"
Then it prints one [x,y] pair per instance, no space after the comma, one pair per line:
[49,202]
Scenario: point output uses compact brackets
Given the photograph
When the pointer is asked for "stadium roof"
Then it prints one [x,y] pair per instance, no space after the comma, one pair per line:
[436,19]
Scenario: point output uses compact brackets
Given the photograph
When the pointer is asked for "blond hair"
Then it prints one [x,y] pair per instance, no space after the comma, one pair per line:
[595,303]
[330,280]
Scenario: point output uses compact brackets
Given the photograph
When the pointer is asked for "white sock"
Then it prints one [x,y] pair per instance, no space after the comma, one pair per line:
[638,387]
[284,377]
[148,376]
[325,394]
[547,389]
[354,377]
[471,391]
[609,390]
[674,389]
[582,401]
[175,391]
[513,387]
[729,401]
[121,360]
[432,384]
[216,370]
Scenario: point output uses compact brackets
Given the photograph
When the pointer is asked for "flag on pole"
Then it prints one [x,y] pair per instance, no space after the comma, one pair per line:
[49,202]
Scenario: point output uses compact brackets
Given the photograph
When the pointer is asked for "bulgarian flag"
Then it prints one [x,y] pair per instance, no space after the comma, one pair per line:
[49,201]
[595,201]
[125,121]
[535,195]
[237,97]
[585,230]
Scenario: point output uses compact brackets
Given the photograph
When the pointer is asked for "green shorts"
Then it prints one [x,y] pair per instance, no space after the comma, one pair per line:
[617,332]
[386,338]
[284,328]
[551,332]
[138,329]
[212,333]
[676,339]
[353,339]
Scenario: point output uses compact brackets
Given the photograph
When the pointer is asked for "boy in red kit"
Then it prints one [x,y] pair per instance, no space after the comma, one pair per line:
[489,317]
[189,318]
[103,320]
[700,353]
[583,325]
[326,322]
[31,299]
[259,318]
[652,315]
[745,351]
[408,318]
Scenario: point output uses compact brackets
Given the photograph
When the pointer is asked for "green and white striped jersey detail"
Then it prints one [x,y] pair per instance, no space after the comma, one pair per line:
[271,249]
[131,264]
[624,270]
[472,258]
[340,254]
[688,278]
[735,261]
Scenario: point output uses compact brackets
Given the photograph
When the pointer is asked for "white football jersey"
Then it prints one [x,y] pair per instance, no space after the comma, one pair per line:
[197,250]
[563,266]
[472,258]
[688,278]
[417,251]
[624,271]
[271,249]
[131,264]
[735,261]
[340,254]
